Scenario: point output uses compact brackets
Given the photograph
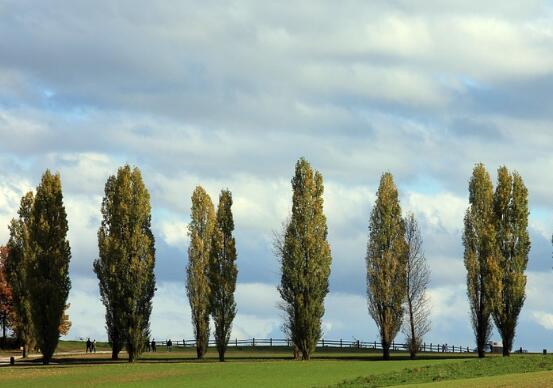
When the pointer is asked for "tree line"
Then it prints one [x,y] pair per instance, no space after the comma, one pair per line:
[34,264]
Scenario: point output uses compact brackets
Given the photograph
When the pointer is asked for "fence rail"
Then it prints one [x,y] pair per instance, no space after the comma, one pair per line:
[323,343]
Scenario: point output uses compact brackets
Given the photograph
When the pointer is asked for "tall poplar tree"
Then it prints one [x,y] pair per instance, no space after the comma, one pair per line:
[17,268]
[513,243]
[305,261]
[48,271]
[417,309]
[479,240]
[125,267]
[200,231]
[386,263]
[223,273]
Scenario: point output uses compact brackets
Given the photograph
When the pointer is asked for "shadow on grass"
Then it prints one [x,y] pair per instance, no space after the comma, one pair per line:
[189,358]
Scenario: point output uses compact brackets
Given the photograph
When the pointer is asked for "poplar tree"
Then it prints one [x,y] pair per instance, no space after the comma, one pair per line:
[417,309]
[305,261]
[48,271]
[386,263]
[513,244]
[479,241]
[17,269]
[223,273]
[200,231]
[125,267]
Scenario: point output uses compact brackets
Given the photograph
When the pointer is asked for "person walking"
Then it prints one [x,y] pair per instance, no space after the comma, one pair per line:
[147,347]
[88,345]
[154,345]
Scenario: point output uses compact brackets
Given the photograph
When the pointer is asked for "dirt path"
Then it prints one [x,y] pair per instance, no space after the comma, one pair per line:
[6,359]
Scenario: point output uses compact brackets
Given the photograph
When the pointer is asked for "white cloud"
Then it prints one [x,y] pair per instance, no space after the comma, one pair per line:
[12,188]
[83,172]
[247,326]
[544,319]
[86,312]
[174,232]
[83,217]
[444,211]
[171,312]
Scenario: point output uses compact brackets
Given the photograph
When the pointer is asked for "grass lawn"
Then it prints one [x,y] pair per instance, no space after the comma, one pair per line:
[273,367]
[496,370]
[245,368]
[523,380]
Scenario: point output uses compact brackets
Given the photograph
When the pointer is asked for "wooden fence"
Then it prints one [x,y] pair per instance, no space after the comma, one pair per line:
[323,343]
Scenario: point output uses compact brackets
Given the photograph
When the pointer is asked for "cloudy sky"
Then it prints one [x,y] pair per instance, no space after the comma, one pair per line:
[232,93]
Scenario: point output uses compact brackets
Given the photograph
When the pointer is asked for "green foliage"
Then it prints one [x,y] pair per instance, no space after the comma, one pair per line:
[200,231]
[16,267]
[223,273]
[125,268]
[513,244]
[479,240]
[386,263]
[48,271]
[305,260]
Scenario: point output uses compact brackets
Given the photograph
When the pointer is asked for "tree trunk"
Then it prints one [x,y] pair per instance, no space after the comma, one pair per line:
[199,352]
[385,350]
[296,353]
[305,355]
[3,330]
[507,344]
[481,330]
[413,341]
[116,346]
[480,343]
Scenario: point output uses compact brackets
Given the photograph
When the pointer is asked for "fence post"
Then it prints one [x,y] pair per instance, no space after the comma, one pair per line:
[236,342]
[357,344]
[253,341]
[271,341]
[424,347]
[340,342]
[393,345]
[323,342]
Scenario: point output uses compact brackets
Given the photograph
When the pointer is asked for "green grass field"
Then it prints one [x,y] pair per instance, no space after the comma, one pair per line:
[273,367]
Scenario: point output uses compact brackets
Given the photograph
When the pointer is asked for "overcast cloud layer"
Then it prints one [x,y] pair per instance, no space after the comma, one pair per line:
[232,93]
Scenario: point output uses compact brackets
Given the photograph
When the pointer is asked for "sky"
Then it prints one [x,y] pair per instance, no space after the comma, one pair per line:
[229,94]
